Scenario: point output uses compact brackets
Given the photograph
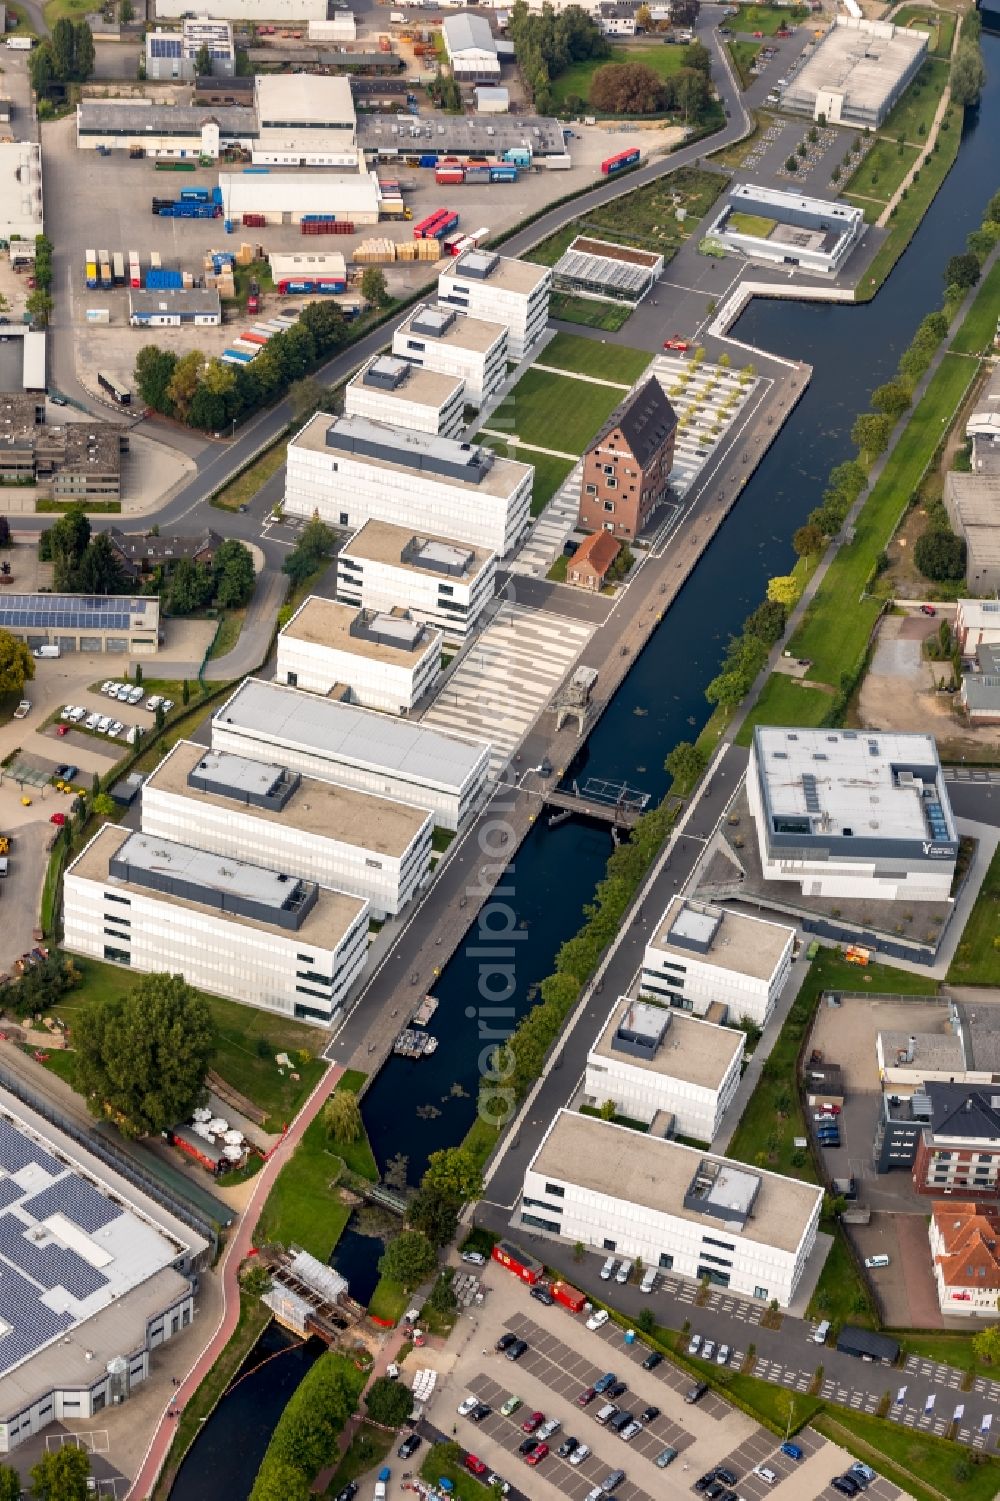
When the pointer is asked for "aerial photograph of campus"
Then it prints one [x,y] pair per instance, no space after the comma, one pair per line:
[499,727]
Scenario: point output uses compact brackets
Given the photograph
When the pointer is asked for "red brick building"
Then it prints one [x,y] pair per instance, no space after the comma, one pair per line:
[626,469]
[965,1250]
[588,567]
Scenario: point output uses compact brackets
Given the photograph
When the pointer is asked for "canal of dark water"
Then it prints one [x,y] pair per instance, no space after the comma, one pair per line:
[413,1109]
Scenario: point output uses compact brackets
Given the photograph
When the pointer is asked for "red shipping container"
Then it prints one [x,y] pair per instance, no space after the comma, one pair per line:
[254,221]
[569,1297]
[519,1262]
[327,227]
[251,338]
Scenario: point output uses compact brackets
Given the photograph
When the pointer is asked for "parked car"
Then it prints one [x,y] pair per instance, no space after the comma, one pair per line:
[526,1445]
[549,1427]
[510,1406]
[694,1344]
[845,1484]
[766,1474]
[586,1396]
[567,1446]
[681,345]
[704,1481]
[537,1454]
[475,1465]
[618,1390]
[649,1414]
[474,1258]
[65,773]
[723,1356]
[517,1349]
[653,1359]
[927,610]
[630,1430]
[23,709]
[466,1405]
[863,1474]
[533,1422]
[480,1411]
[725,1475]
[665,1457]
[792,1450]
[92,721]
[505,1341]
[708,1349]
[409,1446]
[603,1383]
[695,1393]
[543,1295]
[598,1319]
[579,1454]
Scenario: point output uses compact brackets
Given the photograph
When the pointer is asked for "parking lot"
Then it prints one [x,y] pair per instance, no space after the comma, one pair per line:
[562,1360]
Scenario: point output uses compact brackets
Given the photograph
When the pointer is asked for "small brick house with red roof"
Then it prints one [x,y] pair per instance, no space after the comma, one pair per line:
[965,1251]
[588,567]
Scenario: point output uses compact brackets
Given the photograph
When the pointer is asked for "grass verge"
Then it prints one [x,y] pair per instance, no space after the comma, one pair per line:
[228,633]
[304,1208]
[254,1318]
[614,362]
[241,490]
[788,701]
[588,311]
[911,210]
[744,55]
[980,323]
[388,1301]
[925,1467]
[368,1448]
[93,507]
[977,958]
[550,469]
[646,217]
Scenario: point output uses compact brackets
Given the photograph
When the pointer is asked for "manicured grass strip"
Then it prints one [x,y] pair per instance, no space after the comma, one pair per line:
[838,622]
[589,312]
[881,172]
[550,470]
[744,55]
[786,701]
[303,1208]
[979,326]
[93,507]
[977,959]
[840,1296]
[388,1301]
[925,1467]
[766,18]
[555,411]
[245,486]
[369,1447]
[590,357]
[919,103]
[911,209]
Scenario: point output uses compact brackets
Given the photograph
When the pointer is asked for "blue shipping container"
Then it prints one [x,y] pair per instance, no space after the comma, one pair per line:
[160,278]
[194,195]
[319,218]
[429,159]
[217,195]
[236,356]
[503,174]
[255,171]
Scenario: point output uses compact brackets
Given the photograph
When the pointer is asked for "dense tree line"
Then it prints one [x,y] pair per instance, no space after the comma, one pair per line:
[65,57]
[636,89]
[547,44]
[208,394]
[305,1439]
[968,72]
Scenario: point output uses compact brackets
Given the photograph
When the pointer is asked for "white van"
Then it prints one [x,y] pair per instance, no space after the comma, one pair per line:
[648,1281]
[876,1261]
[47,651]
[608,1269]
[820,1332]
[624,1272]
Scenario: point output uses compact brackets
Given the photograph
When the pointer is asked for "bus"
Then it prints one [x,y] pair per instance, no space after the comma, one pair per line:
[613,164]
[115,391]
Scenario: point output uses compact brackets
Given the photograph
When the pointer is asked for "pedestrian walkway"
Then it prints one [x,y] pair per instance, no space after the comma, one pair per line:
[595,380]
[515,442]
[547,537]
[503,684]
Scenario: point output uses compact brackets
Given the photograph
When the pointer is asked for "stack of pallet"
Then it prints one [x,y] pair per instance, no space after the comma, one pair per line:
[245,255]
[428,250]
[375,252]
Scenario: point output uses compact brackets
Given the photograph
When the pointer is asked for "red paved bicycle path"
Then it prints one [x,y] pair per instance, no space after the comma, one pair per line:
[237,1249]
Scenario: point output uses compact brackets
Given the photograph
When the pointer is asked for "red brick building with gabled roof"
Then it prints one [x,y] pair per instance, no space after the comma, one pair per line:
[588,567]
[626,469]
[965,1250]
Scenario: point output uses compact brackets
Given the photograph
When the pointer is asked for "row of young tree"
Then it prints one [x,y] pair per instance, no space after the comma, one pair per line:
[67,56]
[547,43]
[208,394]
[636,89]
[84,562]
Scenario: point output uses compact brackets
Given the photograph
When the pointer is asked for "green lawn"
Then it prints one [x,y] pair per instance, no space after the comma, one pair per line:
[357,1155]
[977,958]
[369,1447]
[444,1462]
[786,701]
[881,172]
[905,1458]
[241,1058]
[664,60]
[911,210]
[591,312]
[773,1116]
[550,471]
[940,24]
[766,18]
[952,1349]
[979,326]
[615,362]
[751,224]
[244,487]
[227,634]
[303,1207]
[645,217]
[840,1296]
[555,411]
[839,620]
[918,104]
[17,18]
[388,1301]
[744,54]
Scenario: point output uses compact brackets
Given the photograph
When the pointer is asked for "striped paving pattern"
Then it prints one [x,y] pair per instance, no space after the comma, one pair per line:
[506,679]
[547,536]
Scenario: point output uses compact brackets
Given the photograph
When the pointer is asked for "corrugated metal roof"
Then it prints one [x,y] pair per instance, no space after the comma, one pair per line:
[468,33]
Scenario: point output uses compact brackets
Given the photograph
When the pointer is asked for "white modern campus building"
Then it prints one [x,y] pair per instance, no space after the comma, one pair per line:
[857,73]
[788,229]
[451,343]
[388,389]
[500,290]
[94,1276]
[355,748]
[673,1072]
[350,470]
[255,934]
[853,813]
[377,658]
[702,955]
[369,846]
[445,583]
[675,1207]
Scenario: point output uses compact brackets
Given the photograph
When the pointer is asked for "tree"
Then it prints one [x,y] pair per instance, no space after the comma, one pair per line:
[103,805]
[99,570]
[314,546]
[61,1475]
[203,61]
[189,587]
[626,89]
[791,164]
[454,1173]
[808,540]
[645,1321]
[685,763]
[68,541]
[39,305]
[986,1344]
[373,287]
[968,74]
[281,1480]
[17,665]
[83,52]
[690,93]
[141,1057]
[154,368]
[784,590]
[870,432]
[643,18]
[185,693]
[10,1484]
[940,555]
[892,399]
[408,1260]
[126,12]
[184,381]
[63,46]
[697,56]
[342,1117]
[233,573]
[389,1402]
[41,68]
[962,271]
[305,396]
[607,1111]
[767,622]
[4,532]
[434,1214]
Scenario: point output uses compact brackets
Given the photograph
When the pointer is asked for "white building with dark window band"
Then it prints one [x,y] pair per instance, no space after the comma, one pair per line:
[371,847]
[381,659]
[701,955]
[255,934]
[853,813]
[392,390]
[676,1207]
[500,290]
[446,583]
[452,343]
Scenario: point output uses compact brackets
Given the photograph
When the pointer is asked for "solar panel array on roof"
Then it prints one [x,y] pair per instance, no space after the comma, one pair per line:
[49,1265]
[165,46]
[75,1199]
[9,1193]
[69,611]
[31,1323]
[18,1151]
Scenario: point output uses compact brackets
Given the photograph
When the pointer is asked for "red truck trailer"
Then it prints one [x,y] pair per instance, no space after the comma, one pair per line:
[569,1297]
[519,1262]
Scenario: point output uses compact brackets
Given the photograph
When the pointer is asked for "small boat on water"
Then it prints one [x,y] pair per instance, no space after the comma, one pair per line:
[424,1011]
[413,1044]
